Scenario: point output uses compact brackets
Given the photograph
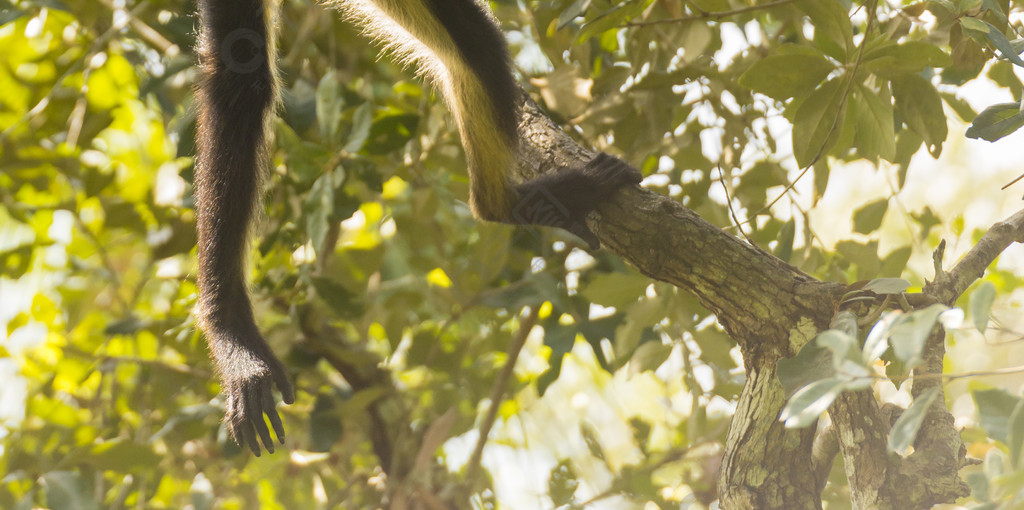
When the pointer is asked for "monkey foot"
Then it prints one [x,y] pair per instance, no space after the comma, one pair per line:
[564,199]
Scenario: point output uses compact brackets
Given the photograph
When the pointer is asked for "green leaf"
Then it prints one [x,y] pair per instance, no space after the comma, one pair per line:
[993,7]
[572,12]
[831,22]
[592,439]
[895,262]
[616,289]
[838,342]
[994,409]
[329,104]
[787,235]
[907,58]
[815,123]
[560,339]
[996,121]
[344,302]
[927,219]
[811,364]
[810,401]
[865,256]
[9,13]
[66,490]
[319,209]
[919,104]
[911,331]
[904,431]
[846,322]
[362,121]
[562,484]
[963,109]
[391,132]
[786,76]
[981,304]
[844,348]
[887,286]
[821,174]
[612,19]
[877,341]
[121,455]
[868,218]
[995,36]
[876,134]
[1015,434]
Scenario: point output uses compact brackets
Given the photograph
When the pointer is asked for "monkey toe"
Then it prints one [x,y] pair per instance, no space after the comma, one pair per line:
[581,230]
[608,173]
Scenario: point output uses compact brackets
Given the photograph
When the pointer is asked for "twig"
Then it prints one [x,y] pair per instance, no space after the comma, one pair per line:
[974,373]
[732,211]
[515,346]
[835,122]
[947,289]
[710,15]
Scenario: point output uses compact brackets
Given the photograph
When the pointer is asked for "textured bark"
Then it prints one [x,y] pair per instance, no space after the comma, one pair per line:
[772,309]
[769,307]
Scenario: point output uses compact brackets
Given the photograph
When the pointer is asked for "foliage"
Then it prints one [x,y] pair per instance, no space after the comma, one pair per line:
[624,390]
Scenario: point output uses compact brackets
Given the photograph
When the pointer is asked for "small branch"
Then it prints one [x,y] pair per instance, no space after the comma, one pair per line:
[101,250]
[180,368]
[710,15]
[976,373]
[330,345]
[501,383]
[732,211]
[835,122]
[972,266]
[823,454]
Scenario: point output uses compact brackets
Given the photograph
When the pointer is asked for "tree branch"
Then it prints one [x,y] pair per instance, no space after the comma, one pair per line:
[711,15]
[948,286]
[501,383]
[768,306]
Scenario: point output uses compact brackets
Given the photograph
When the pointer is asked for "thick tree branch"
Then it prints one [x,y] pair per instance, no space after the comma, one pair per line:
[772,309]
[769,307]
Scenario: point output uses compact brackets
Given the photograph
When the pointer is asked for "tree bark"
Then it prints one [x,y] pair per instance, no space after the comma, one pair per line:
[772,309]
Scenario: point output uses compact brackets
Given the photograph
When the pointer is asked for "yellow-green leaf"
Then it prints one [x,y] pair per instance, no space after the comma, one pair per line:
[786,76]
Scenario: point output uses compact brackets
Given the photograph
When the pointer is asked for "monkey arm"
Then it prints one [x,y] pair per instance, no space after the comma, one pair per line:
[461,50]
[236,94]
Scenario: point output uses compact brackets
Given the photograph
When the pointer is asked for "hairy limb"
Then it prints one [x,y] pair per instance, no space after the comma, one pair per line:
[458,45]
[236,94]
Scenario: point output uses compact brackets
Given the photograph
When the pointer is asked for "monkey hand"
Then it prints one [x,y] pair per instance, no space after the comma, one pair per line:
[247,377]
[564,198]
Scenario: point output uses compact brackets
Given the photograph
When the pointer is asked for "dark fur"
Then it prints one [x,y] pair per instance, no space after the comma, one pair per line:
[482,46]
[236,95]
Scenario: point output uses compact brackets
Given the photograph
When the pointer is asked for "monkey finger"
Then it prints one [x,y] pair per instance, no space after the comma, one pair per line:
[283,384]
[250,439]
[271,414]
[254,407]
[261,428]
[237,427]
[233,417]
